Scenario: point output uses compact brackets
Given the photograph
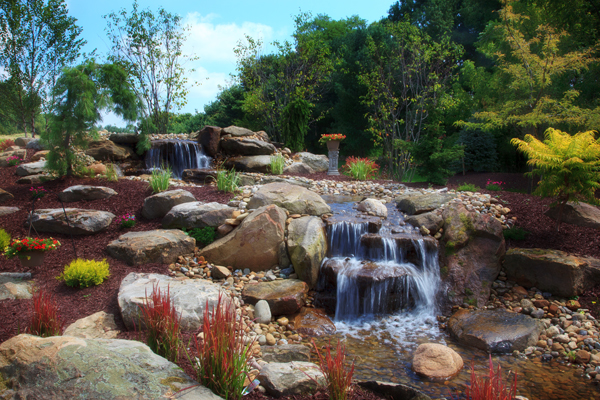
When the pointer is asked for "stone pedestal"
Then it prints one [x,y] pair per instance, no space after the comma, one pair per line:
[333,162]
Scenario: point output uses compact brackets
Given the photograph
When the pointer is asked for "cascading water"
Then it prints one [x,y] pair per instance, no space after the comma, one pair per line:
[178,154]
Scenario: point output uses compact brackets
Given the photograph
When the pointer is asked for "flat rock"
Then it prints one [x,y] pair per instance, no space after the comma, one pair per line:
[157,246]
[298,168]
[307,247]
[39,155]
[106,150]
[197,215]
[5,196]
[158,205]
[423,203]
[124,138]
[496,331]
[284,296]
[15,286]
[22,141]
[8,210]
[236,131]
[580,214]
[373,207]
[295,199]
[199,175]
[189,296]
[87,193]
[395,391]
[65,367]
[246,147]
[34,179]
[80,221]
[96,326]
[312,322]
[318,162]
[285,353]
[260,164]
[293,378]
[28,169]
[430,220]
[436,361]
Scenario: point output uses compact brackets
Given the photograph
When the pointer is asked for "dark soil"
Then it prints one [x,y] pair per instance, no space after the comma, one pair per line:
[78,303]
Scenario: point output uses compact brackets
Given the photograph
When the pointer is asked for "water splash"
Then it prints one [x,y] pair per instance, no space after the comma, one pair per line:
[178,154]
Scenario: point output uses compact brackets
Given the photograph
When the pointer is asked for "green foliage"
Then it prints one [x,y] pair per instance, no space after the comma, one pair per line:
[204,235]
[568,166]
[111,172]
[85,273]
[227,181]
[515,233]
[277,164]
[468,187]
[480,152]
[360,168]
[159,180]
[4,240]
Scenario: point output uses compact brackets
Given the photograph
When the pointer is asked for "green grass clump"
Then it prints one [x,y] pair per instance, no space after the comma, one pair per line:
[85,273]
[111,173]
[360,168]
[159,181]
[204,235]
[4,240]
[277,164]
[468,187]
[227,181]
[515,233]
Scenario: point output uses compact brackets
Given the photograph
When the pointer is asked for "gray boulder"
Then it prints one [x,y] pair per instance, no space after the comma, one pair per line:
[237,131]
[293,378]
[84,192]
[31,168]
[22,141]
[35,144]
[318,162]
[580,214]
[157,246]
[34,179]
[15,286]
[197,215]
[260,164]
[423,203]
[307,247]
[298,168]
[158,205]
[295,199]
[246,147]
[430,220]
[80,221]
[373,207]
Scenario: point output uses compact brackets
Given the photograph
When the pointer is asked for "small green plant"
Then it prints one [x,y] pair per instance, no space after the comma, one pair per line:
[338,376]
[572,355]
[490,387]
[277,164]
[515,233]
[227,181]
[360,168]
[45,320]
[162,323]
[159,180]
[85,273]
[14,160]
[111,172]
[126,221]
[204,235]
[4,240]
[468,292]
[468,187]
[494,186]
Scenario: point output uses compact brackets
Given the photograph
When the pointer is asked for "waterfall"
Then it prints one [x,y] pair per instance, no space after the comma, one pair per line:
[178,154]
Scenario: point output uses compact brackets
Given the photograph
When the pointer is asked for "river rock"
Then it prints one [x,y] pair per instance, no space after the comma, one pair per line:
[312,322]
[284,296]
[158,205]
[246,147]
[236,131]
[209,138]
[285,353]
[373,207]
[580,214]
[262,312]
[430,220]
[496,331]
[96,326]
[65,367]
[295,199]
[197,215]
[259,164]
[157,246]
[22,141]
[39,155]
[307,246]
[8,210]
[5,196]
[318,162]
[80,221]
[293,378]
[254,244]
[28,169]
[298,168]
[84,192]
[436,361]
[105,150]
[423,203]
[189,296]
[15,286]
[124,138]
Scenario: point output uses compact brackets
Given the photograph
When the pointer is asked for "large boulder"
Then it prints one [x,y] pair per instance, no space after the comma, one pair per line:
[80,221]
[5,155]
[318,162]
[236,131]
[209,138]
[307,247]
[554,271]
[157,246]
[31,168]
[430,220]
[197,215]
[495,331]
[298,168]
[5,196]
[295,199]
[436,361]
[39,155]
[423,203]
[65,367]
[246,147]
[34,179]
[8,210]
[474,248]
[254,244]
[373,207]
[189,297]
[124,138]
[580,214]
[84,192]
[260,164]
[106,150]
[35,144]
[158,205]
[312,322]
[15,286]
[285,297]
[293,378]
[200,175]
[99,325]
[22,141]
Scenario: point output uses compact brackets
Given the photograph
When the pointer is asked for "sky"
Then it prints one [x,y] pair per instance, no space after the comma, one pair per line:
[215,29]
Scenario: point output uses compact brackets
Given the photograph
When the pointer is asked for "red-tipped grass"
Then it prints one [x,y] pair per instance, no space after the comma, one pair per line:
[162,323]
[490,387]
[222,363]
[45,320]
[339,378]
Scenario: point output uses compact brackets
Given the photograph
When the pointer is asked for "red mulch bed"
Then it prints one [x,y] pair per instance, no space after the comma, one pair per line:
[78,303]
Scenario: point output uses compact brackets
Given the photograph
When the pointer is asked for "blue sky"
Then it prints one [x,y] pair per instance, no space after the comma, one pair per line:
[216,27]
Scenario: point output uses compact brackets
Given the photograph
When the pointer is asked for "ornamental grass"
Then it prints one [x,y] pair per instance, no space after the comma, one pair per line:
[45,320]
[337,375]
[490,387]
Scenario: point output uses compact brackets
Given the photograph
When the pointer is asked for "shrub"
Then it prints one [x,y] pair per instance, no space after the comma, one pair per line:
[360,168]
[159,181]
[14,160]
[126,221]
[45,320]
[4,240]
[204,235]
[515,233]
[222,354]
[339,378]
[491,387]
[6,143]
[111,172]
[480,152]
[468,187]
[227,181]
[85,273]
[162,323]
[277,164]
[494,186]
